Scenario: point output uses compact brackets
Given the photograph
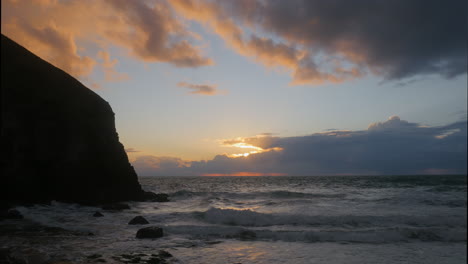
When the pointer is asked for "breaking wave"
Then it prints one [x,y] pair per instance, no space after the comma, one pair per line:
[383,235]
[255,219]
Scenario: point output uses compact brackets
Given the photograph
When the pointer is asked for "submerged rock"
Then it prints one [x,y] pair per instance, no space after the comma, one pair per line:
[164,254]
[138,220]
[150,232]
[58,137]
[98,214]
[11,214]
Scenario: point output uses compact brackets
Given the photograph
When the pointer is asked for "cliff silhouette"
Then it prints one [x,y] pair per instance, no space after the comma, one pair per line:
[58,138]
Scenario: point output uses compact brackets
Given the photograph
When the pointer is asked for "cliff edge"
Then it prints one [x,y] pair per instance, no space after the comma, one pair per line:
[58,138]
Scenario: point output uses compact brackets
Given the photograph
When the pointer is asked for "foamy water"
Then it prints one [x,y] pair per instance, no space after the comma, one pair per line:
[417,219]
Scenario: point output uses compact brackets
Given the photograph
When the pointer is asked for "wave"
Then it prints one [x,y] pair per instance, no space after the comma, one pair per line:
[251,195]
[255,219]
[384,235]
[447,203]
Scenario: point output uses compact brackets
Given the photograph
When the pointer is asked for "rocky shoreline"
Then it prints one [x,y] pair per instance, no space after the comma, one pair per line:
[28,233]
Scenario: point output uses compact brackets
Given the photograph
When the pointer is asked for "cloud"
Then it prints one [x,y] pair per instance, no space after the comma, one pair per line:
[315,41]
[56,45]
[392,147]
[62,31]
[334,41]
[157,166]
[263,50]
[154,34]
[202,89]
[110,74]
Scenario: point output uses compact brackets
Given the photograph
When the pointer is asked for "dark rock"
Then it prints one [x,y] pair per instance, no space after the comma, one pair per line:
[13,214]
[5,255]
[98,214]
[164,254]
[58,137]
[150,232]
[138,220]
[154,197]
[115,206]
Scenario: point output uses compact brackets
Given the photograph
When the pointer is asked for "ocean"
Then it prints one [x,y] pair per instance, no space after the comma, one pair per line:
[268,220]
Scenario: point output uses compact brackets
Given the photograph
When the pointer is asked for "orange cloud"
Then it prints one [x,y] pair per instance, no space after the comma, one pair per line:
[254,145]
[203,89]
[264,50]
[110,74]
[63,31]
[53,44]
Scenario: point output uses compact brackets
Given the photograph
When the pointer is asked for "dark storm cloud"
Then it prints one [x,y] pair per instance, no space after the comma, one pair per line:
[391,147]
[396,38]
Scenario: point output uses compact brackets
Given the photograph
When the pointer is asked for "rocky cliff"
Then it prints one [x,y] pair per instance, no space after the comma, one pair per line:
[58,138]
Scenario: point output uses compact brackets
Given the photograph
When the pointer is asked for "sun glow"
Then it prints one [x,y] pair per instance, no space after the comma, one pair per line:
[254,149]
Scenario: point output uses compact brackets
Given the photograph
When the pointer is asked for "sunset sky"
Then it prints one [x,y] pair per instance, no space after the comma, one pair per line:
[256,87]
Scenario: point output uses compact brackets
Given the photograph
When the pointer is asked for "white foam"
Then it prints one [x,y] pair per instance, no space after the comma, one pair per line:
[374,235]
[251,218]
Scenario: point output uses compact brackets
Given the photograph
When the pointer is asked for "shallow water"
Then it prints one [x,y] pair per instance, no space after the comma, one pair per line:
[384,219]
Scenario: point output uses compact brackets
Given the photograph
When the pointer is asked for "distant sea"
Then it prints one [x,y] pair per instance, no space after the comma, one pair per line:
[268,220]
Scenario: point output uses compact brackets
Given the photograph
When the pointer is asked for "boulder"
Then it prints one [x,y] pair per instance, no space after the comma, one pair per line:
[58,137]
[98,214]
[149,232]
[138,220]
[10,214]
[164,254]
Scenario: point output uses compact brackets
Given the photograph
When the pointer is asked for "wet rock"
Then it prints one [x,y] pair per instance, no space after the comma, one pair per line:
[115,206]
[150,232]
[98,214]
[138,220]
[5,255]
[13,214]
[164,254]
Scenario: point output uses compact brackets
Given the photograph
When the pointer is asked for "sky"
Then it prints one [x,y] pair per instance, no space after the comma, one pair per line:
[258,87]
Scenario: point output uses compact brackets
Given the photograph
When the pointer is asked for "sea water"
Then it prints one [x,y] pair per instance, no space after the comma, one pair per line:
[346,219]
